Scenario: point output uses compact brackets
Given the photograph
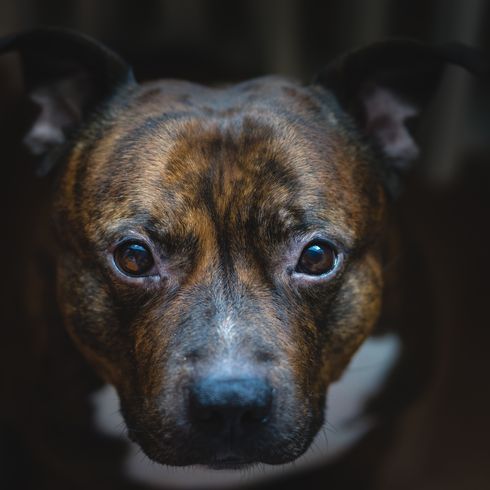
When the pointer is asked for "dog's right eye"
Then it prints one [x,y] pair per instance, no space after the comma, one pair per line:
[134,259]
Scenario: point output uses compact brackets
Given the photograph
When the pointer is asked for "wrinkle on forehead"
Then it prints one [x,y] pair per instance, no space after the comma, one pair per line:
[268,159]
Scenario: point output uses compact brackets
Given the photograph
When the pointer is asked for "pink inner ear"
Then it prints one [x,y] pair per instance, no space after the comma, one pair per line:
[60,106]
[385,122]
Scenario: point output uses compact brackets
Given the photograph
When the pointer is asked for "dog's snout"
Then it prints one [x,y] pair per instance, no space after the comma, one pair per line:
[230,407]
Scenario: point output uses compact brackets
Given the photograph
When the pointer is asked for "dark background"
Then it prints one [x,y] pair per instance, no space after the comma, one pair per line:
[442,438]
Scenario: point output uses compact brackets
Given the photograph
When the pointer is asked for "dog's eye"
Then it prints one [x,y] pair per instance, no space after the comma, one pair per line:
[316,259]
[133,259]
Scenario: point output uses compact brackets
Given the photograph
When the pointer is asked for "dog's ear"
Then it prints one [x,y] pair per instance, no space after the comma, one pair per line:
[384,85]
[67,75]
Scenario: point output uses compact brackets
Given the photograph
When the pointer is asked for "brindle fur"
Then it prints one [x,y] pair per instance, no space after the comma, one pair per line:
[227,185]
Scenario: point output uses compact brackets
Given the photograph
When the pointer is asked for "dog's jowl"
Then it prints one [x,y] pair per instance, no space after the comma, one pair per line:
[219,249]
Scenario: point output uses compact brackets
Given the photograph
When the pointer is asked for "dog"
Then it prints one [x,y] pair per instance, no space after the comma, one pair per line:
[219,251]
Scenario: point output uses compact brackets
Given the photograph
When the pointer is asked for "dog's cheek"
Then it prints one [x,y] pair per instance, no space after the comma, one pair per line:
[354,313]
[329,333]
[90,316]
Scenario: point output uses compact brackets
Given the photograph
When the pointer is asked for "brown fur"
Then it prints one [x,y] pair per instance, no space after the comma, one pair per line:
[228,185]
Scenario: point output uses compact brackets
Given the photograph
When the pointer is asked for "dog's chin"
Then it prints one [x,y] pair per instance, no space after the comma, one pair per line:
[219,460]
[236,462]
[180,445]
[231,463]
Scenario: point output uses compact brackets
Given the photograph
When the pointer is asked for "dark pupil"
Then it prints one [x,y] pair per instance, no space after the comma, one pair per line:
[134,259]
[317,259]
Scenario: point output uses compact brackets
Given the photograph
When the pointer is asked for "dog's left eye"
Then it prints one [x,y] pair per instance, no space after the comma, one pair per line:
[133,259]
[317,258]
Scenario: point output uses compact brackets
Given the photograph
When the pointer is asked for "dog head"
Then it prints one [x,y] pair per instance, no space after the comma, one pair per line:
[219,257]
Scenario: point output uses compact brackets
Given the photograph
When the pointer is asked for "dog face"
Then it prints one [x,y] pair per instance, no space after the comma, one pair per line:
[219,248]
[230,238]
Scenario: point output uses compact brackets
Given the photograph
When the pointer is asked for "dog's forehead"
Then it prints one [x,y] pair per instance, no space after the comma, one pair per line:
[267,148]
[269,91]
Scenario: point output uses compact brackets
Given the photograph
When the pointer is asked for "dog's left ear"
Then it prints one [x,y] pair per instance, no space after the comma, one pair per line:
[67,75]
[384,85]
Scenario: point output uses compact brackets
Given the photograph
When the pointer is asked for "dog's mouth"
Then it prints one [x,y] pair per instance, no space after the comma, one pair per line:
[214,453]
[224,423]
[237,436]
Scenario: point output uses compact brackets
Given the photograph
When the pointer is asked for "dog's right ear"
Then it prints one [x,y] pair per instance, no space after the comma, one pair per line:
[67,75]
[386,84]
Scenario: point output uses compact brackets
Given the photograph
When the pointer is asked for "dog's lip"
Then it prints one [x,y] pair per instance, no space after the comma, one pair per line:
[229,462]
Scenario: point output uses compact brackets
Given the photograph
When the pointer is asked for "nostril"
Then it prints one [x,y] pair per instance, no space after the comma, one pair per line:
[230,405]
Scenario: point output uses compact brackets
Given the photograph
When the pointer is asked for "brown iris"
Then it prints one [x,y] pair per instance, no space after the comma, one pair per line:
[316,259]
[133,259]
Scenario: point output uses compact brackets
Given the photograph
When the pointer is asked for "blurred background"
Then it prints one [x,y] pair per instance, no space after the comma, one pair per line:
[440,439]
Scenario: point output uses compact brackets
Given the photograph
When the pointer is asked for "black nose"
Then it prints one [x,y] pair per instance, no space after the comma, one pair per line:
[230,407]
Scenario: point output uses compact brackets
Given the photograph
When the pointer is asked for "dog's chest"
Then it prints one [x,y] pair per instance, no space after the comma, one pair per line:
[345,424]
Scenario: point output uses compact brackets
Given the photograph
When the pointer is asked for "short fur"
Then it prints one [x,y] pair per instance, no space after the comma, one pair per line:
[226,186]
